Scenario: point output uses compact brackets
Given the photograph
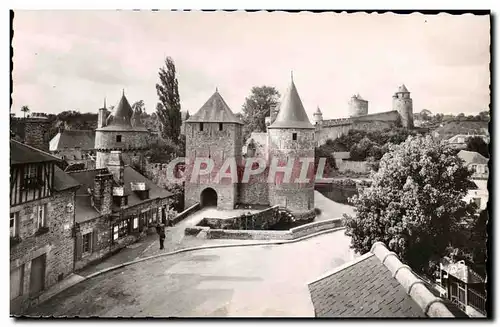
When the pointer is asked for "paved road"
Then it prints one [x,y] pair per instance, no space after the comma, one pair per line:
[238,282]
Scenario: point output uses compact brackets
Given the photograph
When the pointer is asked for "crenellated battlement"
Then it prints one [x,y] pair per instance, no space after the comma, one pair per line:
[336,122]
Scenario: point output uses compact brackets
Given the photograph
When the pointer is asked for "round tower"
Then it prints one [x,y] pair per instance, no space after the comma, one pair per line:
[291,144]
[403,104]
[318,116]
[117,133]
[358,106]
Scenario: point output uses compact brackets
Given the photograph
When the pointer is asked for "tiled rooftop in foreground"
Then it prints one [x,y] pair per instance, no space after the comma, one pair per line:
[377,284]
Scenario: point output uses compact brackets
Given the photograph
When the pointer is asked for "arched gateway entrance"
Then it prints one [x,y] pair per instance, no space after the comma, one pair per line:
[208,198]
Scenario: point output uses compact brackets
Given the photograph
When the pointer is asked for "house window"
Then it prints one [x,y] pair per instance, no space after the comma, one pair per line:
[87,243]
[201,127]
[220,126]
[118,138]
[120,229]
[32,176]
[136,223]
[14,224]
[41,218]
[16,282]
[154,217]
[473,168]
[294,136]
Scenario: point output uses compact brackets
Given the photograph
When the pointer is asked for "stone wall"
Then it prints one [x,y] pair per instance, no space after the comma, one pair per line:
[295,196]
[261,220]
[56,243]
[32,131]
[291,234]
[334,128]
[403,104]
[354,166]
[218,146]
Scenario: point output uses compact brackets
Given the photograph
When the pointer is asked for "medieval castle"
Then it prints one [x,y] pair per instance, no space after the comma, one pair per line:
[215,132]
[400,115]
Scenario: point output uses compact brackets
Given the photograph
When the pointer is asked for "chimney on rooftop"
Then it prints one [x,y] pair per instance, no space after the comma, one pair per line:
[116,166]
[102,192]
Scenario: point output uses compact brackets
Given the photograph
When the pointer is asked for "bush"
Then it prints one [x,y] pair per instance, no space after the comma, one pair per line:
[317,211]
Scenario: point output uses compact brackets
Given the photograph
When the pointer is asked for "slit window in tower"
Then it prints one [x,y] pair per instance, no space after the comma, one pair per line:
[220,126]
[118,138]
[294,136]
[201,127]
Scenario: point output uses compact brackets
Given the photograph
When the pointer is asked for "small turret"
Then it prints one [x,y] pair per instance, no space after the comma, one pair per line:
[403,104]
[318,116]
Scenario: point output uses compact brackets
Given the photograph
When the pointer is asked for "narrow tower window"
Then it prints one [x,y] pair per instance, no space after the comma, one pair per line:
[220,126]
[201,127]
[294,136]
[118,138]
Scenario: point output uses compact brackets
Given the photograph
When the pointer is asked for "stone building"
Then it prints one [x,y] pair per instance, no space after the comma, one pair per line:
[121,131]
[42,201]
[33,131]
[215,132]
[74,147]
[114,207]
[400,115]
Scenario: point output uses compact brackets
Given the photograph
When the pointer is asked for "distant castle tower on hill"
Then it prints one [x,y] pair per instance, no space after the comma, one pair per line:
[401,115]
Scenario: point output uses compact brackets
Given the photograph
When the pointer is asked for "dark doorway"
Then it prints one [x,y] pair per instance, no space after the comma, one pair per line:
[37,275]
[208,198]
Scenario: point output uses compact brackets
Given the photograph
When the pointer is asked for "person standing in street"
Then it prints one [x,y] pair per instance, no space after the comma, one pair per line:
[161,232]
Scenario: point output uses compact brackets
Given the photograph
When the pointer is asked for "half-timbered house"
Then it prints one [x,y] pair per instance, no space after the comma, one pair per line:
[42,200]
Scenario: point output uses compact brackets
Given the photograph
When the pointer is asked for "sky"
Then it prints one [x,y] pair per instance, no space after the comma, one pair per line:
[72,60]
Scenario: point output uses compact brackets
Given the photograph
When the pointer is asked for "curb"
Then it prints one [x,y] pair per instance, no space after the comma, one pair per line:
[191,249]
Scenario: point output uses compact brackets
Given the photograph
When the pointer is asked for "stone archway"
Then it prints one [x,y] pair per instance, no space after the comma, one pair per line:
[208,198]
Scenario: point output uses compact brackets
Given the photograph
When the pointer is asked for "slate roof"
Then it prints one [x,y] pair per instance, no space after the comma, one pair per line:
[318,111]
[215,110]
[402,89]
[84,209]
[291,111]
[376,284]
[472,157]
[120,119]
[63,181]
[21,153]
[83,139]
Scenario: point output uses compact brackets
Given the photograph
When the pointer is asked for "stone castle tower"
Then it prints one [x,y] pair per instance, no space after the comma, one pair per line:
[403,104]
[213,132]
[291,136]
[118,131]
[318,116]
[358,106]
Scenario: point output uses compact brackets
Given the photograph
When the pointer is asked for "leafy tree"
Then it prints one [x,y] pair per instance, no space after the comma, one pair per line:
[138,107]
[478,145]
[414,204]
[484,115]
[25,110]
[257,107]
[461,116]
[330,164]
[168,109]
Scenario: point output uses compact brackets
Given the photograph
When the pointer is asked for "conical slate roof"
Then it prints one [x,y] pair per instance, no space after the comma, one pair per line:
[121,114]
[318,111]
[215,110]
[402,89]
[291,111]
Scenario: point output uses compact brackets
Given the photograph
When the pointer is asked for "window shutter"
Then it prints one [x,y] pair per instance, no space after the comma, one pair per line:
[79,245]
[95,237]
